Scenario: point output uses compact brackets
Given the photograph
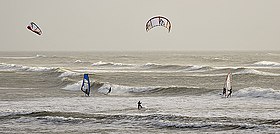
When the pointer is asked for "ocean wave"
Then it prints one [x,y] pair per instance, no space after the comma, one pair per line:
[23,57]
[80,62]
[257,92]
[165,121]
[216,59]
[189,68]
[15,67]
[153,67]
[67,73]
[45,116]
[160,66]
[20,68]
[77,86]
[74,87]
[101,63]
[17,58]
[253,71]
[60,119]
[40,56]
[120,90]
[273,54]
[266,64]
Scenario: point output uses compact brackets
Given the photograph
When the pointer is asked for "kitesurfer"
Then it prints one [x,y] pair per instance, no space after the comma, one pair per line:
[139,105]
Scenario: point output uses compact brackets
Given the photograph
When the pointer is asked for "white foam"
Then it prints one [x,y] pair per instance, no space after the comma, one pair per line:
[256,92]
[74,87]
[152,64]
[15,67]
[80,61]
[69,74]
[41,56]
[23,57]
[253,71]
[196,68]
[59,118]
[122,90]
[266,64]
[101,63]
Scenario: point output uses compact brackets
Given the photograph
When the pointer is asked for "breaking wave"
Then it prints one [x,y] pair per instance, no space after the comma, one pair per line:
[120,90]
[175,67]
[15,67]
[23,57]
[40,56]
[73,87]
[68,73]
[80,62]
[216,59]
[266,64]
[256,92]
[101,63]
[162,121]
[253,71]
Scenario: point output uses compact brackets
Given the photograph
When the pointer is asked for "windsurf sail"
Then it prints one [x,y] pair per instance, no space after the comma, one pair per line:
[158,21]
[34,28]
[86,85]
[228,85]
[109,91]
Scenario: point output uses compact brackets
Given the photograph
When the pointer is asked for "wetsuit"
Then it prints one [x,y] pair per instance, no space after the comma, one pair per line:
[139,105]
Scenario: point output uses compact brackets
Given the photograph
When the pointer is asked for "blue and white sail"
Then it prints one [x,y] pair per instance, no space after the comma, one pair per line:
[86,85]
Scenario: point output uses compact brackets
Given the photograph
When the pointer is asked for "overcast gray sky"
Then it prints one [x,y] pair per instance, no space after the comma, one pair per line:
[89,25]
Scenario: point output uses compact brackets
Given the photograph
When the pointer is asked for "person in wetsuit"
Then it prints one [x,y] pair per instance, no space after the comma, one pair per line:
[230,91]
[139,105]
[224,91]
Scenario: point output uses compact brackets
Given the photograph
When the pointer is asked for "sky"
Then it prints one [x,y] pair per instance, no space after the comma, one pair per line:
[119,25]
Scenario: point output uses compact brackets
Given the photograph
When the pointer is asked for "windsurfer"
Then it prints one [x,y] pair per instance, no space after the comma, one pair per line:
[139,105]
[230,91]
[224,91]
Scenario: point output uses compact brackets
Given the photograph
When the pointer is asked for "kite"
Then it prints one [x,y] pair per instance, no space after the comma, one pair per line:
[34,28]
[158,21]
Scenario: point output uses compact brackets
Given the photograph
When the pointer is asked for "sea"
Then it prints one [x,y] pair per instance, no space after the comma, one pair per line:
[180,91]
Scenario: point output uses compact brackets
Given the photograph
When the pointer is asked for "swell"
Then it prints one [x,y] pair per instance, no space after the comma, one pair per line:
[266,64]
[99,88]
[15,67]
[163,121]
[192,70]
[258,92]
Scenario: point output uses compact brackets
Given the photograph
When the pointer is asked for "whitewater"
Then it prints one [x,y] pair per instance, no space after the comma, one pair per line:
[180,92]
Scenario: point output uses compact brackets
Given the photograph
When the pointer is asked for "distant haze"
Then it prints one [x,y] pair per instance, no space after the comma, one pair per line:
[119,25]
